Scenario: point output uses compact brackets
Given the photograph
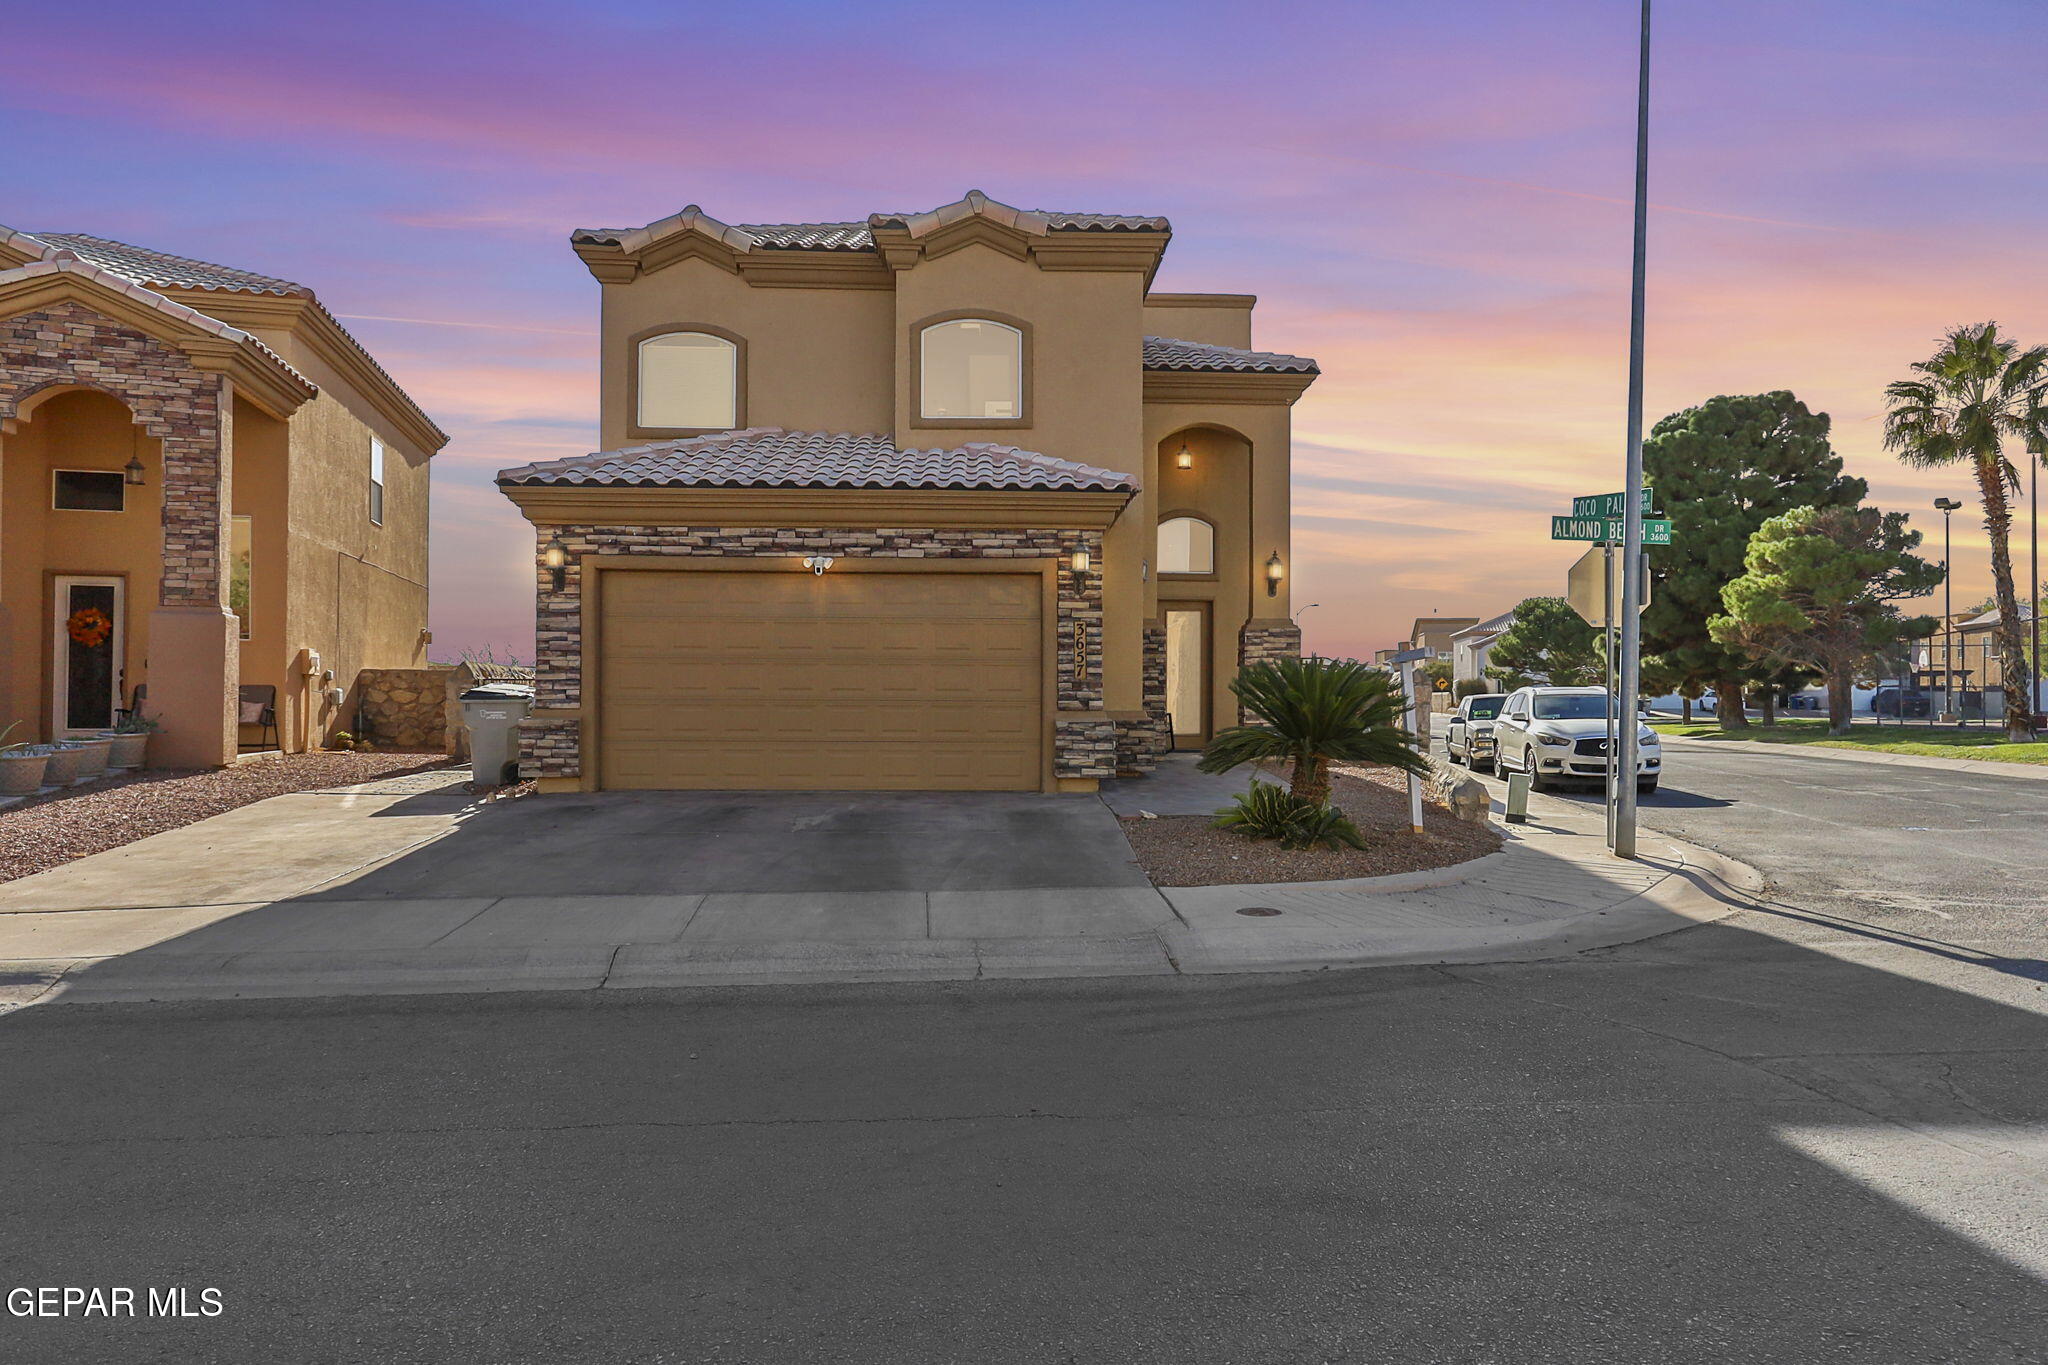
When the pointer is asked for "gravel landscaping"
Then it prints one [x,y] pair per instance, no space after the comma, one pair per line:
[1186,850]
[49,831]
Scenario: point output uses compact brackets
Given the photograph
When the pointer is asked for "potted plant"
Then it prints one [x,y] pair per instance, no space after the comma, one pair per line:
[62,769]
[92,756]
[21,765]
[131,740]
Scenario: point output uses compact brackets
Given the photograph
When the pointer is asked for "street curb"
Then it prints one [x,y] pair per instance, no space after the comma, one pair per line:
[2026,772]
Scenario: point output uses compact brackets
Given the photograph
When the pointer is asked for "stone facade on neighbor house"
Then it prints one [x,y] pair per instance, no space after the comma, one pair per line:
[186,455]
[1003,382]
[405,708]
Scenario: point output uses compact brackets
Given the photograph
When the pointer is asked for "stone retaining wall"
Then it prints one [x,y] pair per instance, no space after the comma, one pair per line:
[405,708]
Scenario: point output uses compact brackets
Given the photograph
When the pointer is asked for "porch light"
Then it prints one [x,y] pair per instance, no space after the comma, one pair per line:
[556,557]
[1081,560]
[1274,573]
[132,473]
[1186,458]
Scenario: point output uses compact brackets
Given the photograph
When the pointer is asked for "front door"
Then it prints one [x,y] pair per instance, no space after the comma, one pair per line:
[88,629]
[1187,672]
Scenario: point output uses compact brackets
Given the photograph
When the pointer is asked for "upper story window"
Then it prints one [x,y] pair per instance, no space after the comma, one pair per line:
[972,368]
[689,380]
[376,482]
[1187,545]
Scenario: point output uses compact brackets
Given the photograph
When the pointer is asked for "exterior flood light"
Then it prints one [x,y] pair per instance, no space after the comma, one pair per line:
[1186,458]
[556,557]
[132,472]
[1274,573]
[817,564]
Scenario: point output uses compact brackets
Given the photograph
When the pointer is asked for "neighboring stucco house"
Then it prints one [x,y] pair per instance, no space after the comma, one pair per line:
[1472,647]
[1434,633]
[205,482]
[926,500]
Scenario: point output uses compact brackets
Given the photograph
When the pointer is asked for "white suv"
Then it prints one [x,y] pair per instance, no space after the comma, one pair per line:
[1559,734]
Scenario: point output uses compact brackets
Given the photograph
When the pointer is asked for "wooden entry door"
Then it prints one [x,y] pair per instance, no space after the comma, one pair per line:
[1187,672]
[87,637]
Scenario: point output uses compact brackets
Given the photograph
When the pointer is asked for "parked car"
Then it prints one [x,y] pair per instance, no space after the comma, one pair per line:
[1910,705]
[1559,734]
[1468,738]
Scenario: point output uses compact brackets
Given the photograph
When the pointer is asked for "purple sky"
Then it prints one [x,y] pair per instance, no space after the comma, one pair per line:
[1430,199]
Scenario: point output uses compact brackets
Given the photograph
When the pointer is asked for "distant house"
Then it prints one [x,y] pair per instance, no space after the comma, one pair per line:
[1472,647]
[213,503]
[1434,633]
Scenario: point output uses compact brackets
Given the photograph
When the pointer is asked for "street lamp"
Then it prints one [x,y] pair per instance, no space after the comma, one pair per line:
[1947,507]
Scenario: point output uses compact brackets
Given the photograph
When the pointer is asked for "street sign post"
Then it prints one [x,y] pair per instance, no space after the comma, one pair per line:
[1609,504]
[1656,530]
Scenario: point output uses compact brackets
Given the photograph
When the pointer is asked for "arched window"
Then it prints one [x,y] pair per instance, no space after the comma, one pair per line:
[689,380]
[1187,545]
[972,368]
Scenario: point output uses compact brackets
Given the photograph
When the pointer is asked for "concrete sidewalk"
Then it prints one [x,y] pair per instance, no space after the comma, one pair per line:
[290,898]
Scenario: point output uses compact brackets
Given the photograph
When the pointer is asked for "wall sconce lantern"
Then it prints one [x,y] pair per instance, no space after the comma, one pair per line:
[132,472]
[556,557]
[1186,458]
[1081,561]
[1274,573]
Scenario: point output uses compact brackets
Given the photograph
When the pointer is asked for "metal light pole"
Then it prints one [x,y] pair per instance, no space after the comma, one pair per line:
[2034,575]
[1946,506]
[1632,486]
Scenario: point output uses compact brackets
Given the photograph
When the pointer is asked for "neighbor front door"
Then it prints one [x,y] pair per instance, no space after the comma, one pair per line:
[1187,671]
[88,629]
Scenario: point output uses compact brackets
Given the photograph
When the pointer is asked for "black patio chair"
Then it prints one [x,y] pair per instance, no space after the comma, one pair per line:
[259,708]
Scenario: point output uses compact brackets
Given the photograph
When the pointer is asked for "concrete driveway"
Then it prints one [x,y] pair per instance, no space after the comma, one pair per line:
[661,843]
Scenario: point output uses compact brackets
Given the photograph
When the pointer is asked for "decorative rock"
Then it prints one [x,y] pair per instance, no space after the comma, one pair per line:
[1470,802]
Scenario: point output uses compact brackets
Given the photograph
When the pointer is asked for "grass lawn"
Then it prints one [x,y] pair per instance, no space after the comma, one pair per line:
[1987,745]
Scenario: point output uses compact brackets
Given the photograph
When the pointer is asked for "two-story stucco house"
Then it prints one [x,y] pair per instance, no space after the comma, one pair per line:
[205,483]
[936,500]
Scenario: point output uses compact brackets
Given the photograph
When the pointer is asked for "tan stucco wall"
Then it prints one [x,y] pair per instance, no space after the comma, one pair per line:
[76,430]
[817,359]
[1218,319]
[355,593]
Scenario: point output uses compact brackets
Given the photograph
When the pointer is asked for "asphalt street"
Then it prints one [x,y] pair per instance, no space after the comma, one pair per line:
[1814,1131]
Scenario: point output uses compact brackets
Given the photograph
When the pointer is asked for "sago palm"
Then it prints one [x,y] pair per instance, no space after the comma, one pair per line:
[1976,396]
[1312,712]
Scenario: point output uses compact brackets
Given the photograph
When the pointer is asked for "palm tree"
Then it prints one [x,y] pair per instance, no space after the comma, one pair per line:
[1977,394]
[1312,712]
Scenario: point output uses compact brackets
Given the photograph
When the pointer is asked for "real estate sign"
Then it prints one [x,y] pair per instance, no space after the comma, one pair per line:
[1656,530]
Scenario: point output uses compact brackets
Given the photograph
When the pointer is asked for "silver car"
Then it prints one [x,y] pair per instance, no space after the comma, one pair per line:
[1469,736]
[1559,734]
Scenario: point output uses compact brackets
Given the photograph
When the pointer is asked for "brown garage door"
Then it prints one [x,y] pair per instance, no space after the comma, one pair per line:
[846,681]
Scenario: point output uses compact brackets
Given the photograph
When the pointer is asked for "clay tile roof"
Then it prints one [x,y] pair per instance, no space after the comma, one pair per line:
[771,457]
[1167,353]
[161,270]
[859,236]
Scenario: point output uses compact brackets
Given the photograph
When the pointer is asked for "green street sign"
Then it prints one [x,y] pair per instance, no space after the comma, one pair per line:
[1656,530]
[1606,505]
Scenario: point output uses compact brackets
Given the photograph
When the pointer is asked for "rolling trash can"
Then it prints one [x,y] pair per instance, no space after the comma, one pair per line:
[492,711]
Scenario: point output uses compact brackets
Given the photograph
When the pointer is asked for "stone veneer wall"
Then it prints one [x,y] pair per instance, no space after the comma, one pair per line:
[1084,738]
[1263,641]
[1140,744]
[179,405]
[405,707]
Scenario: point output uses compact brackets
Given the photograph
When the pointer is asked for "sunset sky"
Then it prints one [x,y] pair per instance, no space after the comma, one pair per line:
[1431,199]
